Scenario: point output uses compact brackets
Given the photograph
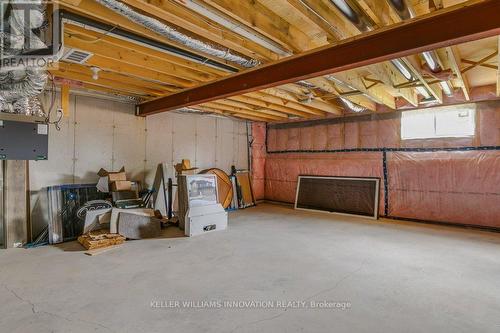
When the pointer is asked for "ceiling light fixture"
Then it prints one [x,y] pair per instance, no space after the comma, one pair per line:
[95,72]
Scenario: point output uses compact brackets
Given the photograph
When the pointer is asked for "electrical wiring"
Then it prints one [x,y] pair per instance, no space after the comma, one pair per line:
[96,40]
[57,122]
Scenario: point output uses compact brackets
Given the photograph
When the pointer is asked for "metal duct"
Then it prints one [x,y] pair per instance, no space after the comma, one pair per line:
[174,35]
[402,9]
[103,28]
[405,12]
[432,62]
[353,13]
[19,87]
[352,106]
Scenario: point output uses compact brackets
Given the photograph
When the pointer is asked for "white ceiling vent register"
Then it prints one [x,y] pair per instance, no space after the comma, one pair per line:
[76,56]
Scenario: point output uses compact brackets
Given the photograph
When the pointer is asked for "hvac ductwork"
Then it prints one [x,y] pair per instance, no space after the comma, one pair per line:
[20,87]
[351,10]
[174,35]
[402,9]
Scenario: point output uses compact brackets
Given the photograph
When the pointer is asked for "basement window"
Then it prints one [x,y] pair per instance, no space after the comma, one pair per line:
[443,122]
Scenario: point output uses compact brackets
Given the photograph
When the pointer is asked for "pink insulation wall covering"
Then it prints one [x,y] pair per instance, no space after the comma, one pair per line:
[258,159]
[461,187]
[455,187]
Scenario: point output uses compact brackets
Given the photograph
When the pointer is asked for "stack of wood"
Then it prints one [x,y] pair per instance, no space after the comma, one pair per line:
[98,241]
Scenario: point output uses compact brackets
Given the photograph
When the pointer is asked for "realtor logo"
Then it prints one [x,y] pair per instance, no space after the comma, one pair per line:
[29,34]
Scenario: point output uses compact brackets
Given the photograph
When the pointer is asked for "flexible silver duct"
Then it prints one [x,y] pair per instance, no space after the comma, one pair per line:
[174,35]
[19,88]
[352,106]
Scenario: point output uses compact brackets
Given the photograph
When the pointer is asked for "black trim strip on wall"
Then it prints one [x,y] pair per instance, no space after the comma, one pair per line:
[386,183]
[387,149]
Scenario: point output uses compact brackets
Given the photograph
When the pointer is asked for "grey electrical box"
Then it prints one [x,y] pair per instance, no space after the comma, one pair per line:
[23,137]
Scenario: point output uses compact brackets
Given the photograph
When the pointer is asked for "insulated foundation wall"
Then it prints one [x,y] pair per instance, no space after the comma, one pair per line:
[258,160]
[460,187]
[429,183]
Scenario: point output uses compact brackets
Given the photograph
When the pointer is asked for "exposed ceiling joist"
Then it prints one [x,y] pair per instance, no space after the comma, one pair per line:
[312,14]
[266,22]
[413,63]
[180,16]
[272,106]
[95,11]
[473,20]
[455,63]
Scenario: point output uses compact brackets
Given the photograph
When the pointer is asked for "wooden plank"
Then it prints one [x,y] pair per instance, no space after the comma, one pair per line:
[244,105]
[230,114]
[329,86]
[65,99]
[453,57]
[116,66]
[90,36]
[277,96]
[98,12]
[16,189]
[471,21]
[305,8]
[378,93]
[266,22]
[138,82]
[277,107]
[390,76]
[219,106]
[2,208]
[412,63]
[87,78]
[128,54]
[97,252]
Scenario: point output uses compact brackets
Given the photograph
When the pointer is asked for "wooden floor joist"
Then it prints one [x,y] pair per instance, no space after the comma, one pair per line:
[462,23]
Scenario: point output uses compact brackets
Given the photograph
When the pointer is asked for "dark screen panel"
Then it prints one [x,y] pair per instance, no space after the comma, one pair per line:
[339,195]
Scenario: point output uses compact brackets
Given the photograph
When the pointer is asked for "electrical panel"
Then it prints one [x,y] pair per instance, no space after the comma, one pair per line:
[23,137]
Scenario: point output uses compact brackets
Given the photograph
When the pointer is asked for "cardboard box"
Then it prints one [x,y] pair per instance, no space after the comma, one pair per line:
[106,178]
[117,176]
[121,185]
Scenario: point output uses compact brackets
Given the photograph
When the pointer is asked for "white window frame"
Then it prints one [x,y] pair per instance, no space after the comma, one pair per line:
[434,112]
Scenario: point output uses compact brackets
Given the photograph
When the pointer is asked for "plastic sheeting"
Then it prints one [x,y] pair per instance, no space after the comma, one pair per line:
[379,132]
[460,187]
[282,171]
[258,159]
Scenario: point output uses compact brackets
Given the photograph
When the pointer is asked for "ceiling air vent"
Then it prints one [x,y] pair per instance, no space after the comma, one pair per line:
[76,56]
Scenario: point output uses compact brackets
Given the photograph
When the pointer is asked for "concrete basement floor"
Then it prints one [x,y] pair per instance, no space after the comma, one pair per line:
[397,277]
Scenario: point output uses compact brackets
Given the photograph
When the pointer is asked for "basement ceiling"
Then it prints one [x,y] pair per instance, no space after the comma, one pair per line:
[266,31]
